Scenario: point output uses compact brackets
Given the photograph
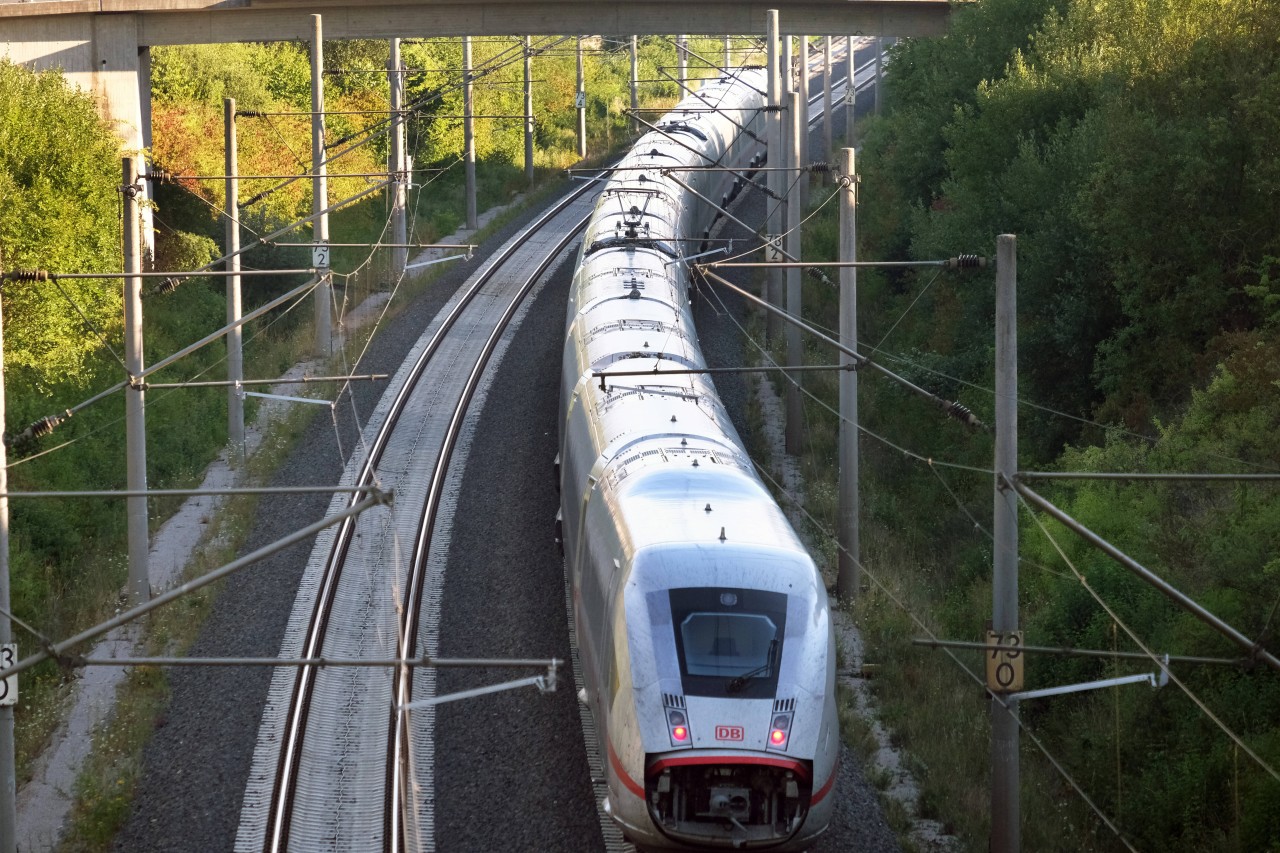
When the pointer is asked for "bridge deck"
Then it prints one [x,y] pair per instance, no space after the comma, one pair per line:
[161,22]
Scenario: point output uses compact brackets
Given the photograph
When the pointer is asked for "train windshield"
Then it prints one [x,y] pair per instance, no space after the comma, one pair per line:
[729,640]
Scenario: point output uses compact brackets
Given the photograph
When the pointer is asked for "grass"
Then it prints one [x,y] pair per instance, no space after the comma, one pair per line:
[104,789]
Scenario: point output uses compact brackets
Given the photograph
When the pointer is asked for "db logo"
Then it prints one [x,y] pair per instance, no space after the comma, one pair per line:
[729,733]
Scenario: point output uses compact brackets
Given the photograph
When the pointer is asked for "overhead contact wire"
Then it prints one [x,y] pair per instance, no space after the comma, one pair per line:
[1155,658]
[1022,725]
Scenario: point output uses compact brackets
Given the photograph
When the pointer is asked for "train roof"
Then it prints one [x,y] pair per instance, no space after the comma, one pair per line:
[665,493]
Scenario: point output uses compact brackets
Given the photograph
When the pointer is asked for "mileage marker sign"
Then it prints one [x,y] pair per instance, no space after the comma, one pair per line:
[1004,661]
[8,686]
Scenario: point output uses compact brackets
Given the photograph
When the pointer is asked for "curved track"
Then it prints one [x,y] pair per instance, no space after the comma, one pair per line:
[318,782]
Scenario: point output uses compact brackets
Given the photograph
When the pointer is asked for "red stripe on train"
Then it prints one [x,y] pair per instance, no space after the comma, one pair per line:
[831,781]
[762,760]
[632,785]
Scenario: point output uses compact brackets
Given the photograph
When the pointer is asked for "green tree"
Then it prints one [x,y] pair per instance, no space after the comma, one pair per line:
[259,76]
[59,174]
[1130,146]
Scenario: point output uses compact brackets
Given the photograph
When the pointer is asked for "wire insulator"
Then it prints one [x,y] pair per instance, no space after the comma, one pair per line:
[161,176]
[37,430]
[168,285]
[815,273]
[30,275]
[961,262]
[45,425]
[962,413]
[821,168]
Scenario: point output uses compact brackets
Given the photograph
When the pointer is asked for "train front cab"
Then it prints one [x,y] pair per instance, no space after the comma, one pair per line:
[722,760]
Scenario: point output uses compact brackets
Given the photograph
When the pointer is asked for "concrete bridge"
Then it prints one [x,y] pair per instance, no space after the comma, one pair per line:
[103,46]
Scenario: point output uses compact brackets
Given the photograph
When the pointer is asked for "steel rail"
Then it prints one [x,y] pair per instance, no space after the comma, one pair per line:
[285,788]
[277,829]
[397,764]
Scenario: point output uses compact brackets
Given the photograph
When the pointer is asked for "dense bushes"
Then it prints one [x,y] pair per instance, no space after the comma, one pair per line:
[59,170]
[1130,146]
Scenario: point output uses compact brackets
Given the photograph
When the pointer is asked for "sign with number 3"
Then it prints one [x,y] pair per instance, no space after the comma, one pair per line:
[8,686]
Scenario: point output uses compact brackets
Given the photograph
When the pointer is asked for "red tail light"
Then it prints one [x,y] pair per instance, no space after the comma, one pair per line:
[678,726]
[780,731]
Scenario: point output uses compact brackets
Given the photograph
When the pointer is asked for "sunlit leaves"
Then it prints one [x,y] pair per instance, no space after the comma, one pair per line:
[59,173]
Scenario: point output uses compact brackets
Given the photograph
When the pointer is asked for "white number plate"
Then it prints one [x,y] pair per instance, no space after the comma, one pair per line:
[8,686]
[773,248]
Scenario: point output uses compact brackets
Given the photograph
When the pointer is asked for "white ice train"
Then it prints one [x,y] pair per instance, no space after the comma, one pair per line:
[702,623]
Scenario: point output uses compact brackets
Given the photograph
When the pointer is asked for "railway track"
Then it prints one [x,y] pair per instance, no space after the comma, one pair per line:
[339,764]
[320,781]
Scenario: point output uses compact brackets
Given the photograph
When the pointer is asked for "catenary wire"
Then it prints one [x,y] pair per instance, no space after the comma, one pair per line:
[1022,725]
[932,464]
[1239,742]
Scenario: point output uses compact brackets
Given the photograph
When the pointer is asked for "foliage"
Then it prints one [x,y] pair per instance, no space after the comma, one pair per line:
[436,98]
[1129,146]
[271,84]
[189,84]
[258,76]
[59,173]
[1135,165]
[1219,544]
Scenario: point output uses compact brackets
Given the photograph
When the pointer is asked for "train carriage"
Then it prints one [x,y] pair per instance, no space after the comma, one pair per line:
[702,622]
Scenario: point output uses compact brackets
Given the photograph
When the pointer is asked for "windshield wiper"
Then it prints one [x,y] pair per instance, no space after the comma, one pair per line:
[736,684]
